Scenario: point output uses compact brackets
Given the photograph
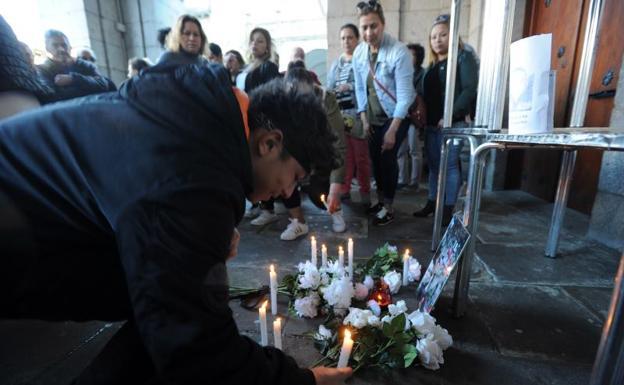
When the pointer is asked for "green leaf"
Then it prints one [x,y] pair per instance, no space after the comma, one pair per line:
[409,354]
[398,324]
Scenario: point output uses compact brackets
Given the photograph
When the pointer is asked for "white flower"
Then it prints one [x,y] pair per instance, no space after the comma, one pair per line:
[429,353]
[413,270]
[373,320]
[339,292]
[368,282]
[358,318]
[387,319]
[340,311]
[398,308]
[393,249]
[422,322]
[374,306]
[323,333]
[334,268]
[442,337]
[311,278]
[307,306]
[393,280]
[361,292]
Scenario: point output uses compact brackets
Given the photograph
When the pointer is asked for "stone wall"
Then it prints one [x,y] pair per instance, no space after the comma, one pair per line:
[607,217]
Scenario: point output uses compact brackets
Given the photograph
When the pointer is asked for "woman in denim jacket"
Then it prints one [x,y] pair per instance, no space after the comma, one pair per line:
[384,92]
[434,86]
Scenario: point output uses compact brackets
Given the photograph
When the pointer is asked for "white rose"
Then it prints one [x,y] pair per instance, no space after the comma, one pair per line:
[422,322]
[357,317]
[373,320]
[414,269]
[387,319]
[393,280]
[393,249]
[323,333]
[374,306]
[324,278]
[307,306]
[442,337]
[398,308]
[311,278]
[339,293]
[429,353]
[368,282]
[361,292]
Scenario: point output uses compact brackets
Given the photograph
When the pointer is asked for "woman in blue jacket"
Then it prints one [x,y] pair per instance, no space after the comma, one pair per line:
[434,86]
[384,92]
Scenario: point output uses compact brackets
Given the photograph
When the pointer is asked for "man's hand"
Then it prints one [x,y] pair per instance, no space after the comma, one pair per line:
[331,376]
[63,80]
[343,87]
[333,198]
[234,244]
[389,140]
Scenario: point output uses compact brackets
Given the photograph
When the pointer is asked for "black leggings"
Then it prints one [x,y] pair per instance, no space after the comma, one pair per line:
[385,166]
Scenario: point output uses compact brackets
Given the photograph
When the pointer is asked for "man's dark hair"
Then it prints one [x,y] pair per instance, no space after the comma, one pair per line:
[419,50]
[353,28]
[215,49]
[303,122]
[50,33]
[162,36]
[298,74]
[138,64]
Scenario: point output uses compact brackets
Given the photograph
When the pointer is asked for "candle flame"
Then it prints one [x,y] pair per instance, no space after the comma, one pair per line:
[312,238]
[379,297]
[323,198]
[272,269]
[264,305]
[277,321]
[350,240]
[347,334]
[323,247]
[340,249]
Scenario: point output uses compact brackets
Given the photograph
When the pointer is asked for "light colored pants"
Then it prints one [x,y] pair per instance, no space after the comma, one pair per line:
[410,158]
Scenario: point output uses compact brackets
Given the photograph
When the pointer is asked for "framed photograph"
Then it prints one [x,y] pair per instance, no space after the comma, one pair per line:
[442,264]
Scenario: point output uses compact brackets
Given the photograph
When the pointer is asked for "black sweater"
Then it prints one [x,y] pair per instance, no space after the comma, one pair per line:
[122,206]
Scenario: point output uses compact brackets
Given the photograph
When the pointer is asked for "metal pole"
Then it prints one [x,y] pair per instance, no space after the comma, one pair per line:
[576,120]
[440,195]
[451,64]
[609,364]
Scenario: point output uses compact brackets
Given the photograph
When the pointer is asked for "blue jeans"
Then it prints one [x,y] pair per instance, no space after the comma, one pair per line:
[433,145]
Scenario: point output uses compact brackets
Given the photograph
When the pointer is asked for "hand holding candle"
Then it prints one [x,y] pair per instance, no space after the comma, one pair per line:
[323,255]
[313,250]
[277,333]
[263,324]
[273,287]
[405,267]
[345,351]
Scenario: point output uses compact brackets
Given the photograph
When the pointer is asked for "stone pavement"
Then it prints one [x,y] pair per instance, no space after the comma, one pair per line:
[530,319]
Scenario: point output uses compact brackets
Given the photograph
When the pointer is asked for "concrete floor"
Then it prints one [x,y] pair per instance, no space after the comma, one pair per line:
[530,320]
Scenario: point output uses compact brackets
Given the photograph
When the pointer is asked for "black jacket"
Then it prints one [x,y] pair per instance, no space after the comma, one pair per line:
[122,206]
[86,79]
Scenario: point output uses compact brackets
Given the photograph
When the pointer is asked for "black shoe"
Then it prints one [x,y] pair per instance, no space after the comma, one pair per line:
[372,210]
[447,215]
[401,186]
[427,210]
[383,217]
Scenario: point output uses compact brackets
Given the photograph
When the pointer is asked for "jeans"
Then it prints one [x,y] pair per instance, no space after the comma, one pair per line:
[409,158]
[433,145]
[385,166]
[358,161]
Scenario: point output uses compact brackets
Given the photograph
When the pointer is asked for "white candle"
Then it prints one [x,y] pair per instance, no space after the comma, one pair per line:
[324,203]
[263,325]
[350,255]
[277,333]
[313,250]
[273,287]
[323,255]
[345,352]
[405,267]
[340,256]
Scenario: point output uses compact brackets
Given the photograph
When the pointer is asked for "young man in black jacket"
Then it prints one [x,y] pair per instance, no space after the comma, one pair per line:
[124,207]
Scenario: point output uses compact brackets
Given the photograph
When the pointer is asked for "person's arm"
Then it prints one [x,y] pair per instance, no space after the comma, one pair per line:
[336,123]
[467,87]
[360,74]
[88,80]
[173,248]
[331,75]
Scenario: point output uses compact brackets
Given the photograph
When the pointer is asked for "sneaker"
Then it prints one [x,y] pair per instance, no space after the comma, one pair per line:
[264,218]
[338,222]
[372,210]
[294,230]
[253,211]
[383,217]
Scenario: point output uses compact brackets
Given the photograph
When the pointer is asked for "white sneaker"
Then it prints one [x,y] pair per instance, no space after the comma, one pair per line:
[294,230]
[252,212]
[338,222]
[264,218]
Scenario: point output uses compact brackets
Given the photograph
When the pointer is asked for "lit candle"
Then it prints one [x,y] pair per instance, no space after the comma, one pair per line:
[405,267]
[263,324]
[277,332]
[273,287]
[340,256]
[345,352]
[323,255]
[350,255]
[313,250]
[324,203]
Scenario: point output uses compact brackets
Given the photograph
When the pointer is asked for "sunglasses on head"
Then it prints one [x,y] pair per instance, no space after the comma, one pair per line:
[442,19]
[370,5]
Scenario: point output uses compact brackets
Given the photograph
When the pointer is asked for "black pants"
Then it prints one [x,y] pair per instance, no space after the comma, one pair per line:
[385,166]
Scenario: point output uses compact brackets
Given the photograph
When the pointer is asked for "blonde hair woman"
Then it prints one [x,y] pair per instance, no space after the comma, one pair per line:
[186,43]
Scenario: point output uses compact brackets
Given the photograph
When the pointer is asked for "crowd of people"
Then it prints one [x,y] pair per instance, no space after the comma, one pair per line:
[123,204]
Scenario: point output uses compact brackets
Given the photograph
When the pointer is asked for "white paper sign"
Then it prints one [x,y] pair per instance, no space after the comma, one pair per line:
[531,86]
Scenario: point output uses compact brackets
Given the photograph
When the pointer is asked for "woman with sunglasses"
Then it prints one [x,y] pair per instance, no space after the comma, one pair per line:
[434,86]
[384,92]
